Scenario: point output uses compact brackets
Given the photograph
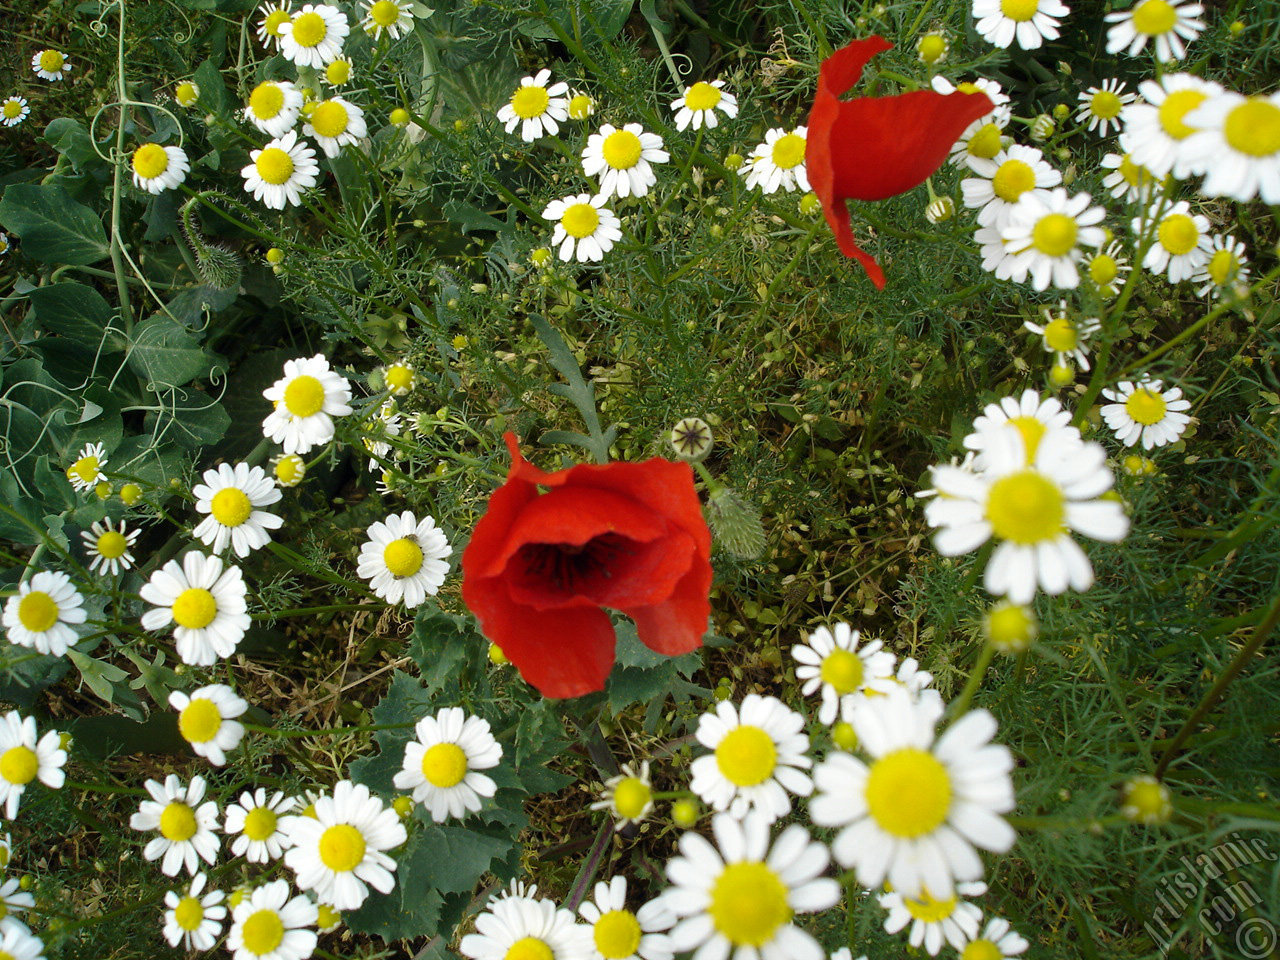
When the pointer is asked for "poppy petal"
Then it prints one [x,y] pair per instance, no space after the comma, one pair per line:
[566,652]
[678,624]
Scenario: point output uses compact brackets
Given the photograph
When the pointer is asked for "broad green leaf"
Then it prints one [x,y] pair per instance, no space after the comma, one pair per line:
[455,858]
[78,312]
[213,90]
[102,737]
[71,138]
[54,228]
[244,401]
[412,909]
[189,418]
[470,218]
[164,353]
[100,677]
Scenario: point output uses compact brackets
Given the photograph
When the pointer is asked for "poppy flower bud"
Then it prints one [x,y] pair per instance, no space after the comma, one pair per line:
[736,524]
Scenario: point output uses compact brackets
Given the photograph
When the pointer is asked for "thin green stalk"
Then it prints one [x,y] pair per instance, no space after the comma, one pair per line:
[961,703]
[117,188]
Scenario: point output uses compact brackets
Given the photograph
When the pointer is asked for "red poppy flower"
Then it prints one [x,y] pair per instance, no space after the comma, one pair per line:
[870,148]
[541,567]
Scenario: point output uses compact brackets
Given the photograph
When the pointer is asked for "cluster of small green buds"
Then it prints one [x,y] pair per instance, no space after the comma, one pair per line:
[940,210]
[684,813]
[1146,800]
[691,439]
[932,47]
[1042,128]
[1010,627]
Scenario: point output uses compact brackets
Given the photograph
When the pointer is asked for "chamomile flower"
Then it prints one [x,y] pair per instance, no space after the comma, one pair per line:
[1128,180]
[759,753]
[1107,269]
[1237,146]
[622,158]
[1030,416]
[778,163]
[1013,172]
[157,168]
[268,925]
[1143,411]
[186,825]
[628,796]
[86,473]
[392,17]
[998,941]
[14,110]
[1146,800]
[1180,245]
[995,93]
[289,469]
[339,852]
[386,424]
[187,93]
[24,758]
[440,767]
[697,107]
[1103,106]
[585,228]
[1044,237]
[338,73]
[280,171]
[982,141]
[5,245]
[50,65]
[400,378]
[1156,128]
[206,720]
[915,812]
[932,47]
[1225,269]
[405,558]
[1029,505]
[204,601]
[20,943]
[109,547]
[255,822]
[233,497]
[306,399]
[1167,23]
[832,664]
[314,36]
[620,934]
[336,122]
[1028,22]
[538,110]
[1063,336]
[581,105]
[42,613]
[274,107]
[13,900]
[273,17]
[934,922]
[738,901]
[520,925]
[193,920]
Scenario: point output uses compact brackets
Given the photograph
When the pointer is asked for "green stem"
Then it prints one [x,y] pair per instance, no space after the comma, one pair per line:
[117,188]
[961,703]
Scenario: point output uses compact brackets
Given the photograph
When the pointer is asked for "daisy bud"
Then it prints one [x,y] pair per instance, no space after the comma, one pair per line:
[684,813]
[540,257]
[1042,128]
[940,210]
[399,117]
[327,918]
[479,288]
[581,107]
[1061,112]
[186,94]
[403,806]
[130,493]
[1010,627]
[460,342]
[237,896]
[289,470]
[1138,466]
[1062,375]
[102,489]
[736,524]
[26,882]
[733,161]
[1147,801]
[691,439]
[275,255]
[932,47]
[844,736]
[375,379]
[496,656]
[338,72]
[1236,28]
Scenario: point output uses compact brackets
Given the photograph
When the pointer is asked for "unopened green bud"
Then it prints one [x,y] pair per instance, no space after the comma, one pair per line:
[736,524]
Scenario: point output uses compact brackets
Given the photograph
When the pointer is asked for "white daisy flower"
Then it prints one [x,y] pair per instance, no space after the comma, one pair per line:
[157,168]
[519,925]
[1237,146]
[314,36]
[289,469]
[193,920]
[257,821]
[1107,269]
[232,496]
[758,758]
[997,942]
[20,943]
[1103,107]
[1166,22]
[1143,411]
[268,925]
[619,934]
[386,424]
[995,93]
[280,171]
[440,766]
[86,473]
[273,17]
[982,141]
[204,601]
[697,107]
[4,243]
[14,110]
[392,17]
[1156,128]
[1130,181]
[109,547]
[185,824]
[13,901]
[336,122]
[916,811]
[738,901]
[1181,242]
[1028,22]
[622,159]
[41,614]
[628,796]
[341,849]
[778,163]
[538,110]
[274,107]
[306,399]
[585,228]
[934,922]
[1013,172]
[405,558]
[1225,268]
[206,720]
[23,759]
[1029,505]
[832,664]
[1064,337]
[1044,236]
[400,378]
[1030,416]
[50,65]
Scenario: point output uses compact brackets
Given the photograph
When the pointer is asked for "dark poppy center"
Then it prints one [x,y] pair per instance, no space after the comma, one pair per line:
[572,569]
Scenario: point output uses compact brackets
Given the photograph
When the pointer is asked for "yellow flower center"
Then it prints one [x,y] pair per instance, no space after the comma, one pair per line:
[1054,235]
[112,545]
[1145,406]
[580,220]
[1179,234]
[290,470]
[384,13]
[231,507]
[309,29]
[341,847]
[178,822]
[304,396]
[1012,180]
[399,378]
[844,736]
[444,765]
[982,949]
[621,150]
[749,904]
[617,934]
[1223,267]
[130,493]
[1253,128]
[188,914]
[1154,17]
[630,797]
[195,608]
[403,557]
[1026,507]
[260,823]
[85,470]
[1103,269]
[274,21]
[1147,797]
[1032,430]
[329,119]
[19,765]
[788,151]
[150,160]
[842,669]
[530,102]
[1105,105]
[1010,627]
[186,94]
[1176,106]
[908,792]
[1061,336]
[529,948]
[266,101]
[746,756]
[580,107]
[931,48]
[274,166]
[338,72]
[37,611]
[12,108]
[51,61]
[1019,10]
[326,916]
[1134,174]
[701,96]
[929,910]
[262,932]
[986,142]
[199,721]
